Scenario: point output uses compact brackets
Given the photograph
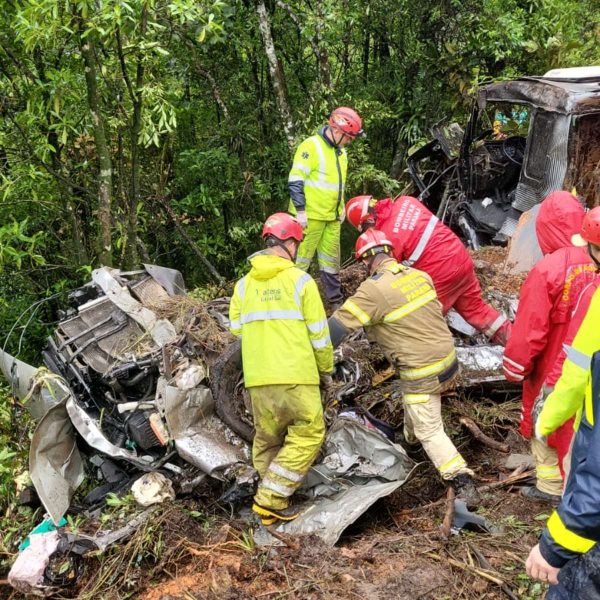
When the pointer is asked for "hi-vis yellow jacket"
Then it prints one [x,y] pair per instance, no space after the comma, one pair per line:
[574,527]
[317,178]
[567,398]
[277,311]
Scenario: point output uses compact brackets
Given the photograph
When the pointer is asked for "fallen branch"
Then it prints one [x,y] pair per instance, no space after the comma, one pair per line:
[484,563]
[286,539]
[449,514]
[517,475]
[209,267]
[482,437]
[466,567]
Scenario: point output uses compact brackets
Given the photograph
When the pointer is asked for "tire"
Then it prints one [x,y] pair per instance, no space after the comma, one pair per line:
[226,384]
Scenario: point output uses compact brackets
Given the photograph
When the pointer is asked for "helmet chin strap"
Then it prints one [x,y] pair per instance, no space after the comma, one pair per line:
[282,245]
[596,261]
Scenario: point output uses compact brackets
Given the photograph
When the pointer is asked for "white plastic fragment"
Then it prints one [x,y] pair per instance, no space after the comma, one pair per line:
[152,488]
[27,572]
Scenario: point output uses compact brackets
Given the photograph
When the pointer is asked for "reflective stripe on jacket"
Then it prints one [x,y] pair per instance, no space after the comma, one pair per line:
[423,241]
[317,179]
[399,309]
[574,528]
[277,311]
[567,398]
[546,302]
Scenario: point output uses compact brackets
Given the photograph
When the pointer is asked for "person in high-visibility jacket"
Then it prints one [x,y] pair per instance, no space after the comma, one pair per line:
[316,184]
[568,553]
[277,311]
[423,241]
[398,308]
[566,399]
[547,300]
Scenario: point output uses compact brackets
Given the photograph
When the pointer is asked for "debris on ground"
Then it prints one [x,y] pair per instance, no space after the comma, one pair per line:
[152,383]
[495,272]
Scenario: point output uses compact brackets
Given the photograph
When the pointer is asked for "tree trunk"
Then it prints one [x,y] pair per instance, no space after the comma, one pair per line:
[102,149]
[277,75]
[367,43]
[323,57]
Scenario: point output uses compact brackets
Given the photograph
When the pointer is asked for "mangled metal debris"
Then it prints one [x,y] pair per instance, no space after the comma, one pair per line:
[150,381]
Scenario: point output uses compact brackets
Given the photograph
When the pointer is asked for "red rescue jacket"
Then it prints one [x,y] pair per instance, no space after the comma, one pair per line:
[547,300]
[410,226]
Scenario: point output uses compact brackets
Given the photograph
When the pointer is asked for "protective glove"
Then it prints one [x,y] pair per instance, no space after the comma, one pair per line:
[325,381]
[342,216]
[302,218]
[538,405]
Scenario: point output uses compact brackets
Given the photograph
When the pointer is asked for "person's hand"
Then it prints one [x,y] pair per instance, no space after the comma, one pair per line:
[538,567]
[342,216]
[302,218]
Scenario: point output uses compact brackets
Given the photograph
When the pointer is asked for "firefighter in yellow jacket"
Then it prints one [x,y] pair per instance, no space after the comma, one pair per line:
[316,184]
[278,313]
[398,308]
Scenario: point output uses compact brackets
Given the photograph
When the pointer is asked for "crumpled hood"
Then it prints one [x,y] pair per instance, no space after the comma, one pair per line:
[559,218]
[267,266]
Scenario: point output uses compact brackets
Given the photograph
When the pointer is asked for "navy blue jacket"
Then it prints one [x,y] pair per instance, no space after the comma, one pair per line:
[574,528]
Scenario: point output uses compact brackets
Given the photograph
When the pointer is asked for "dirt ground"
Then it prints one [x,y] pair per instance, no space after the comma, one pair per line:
[195,549]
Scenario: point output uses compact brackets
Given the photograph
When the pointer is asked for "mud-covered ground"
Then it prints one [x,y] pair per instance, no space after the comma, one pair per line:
[196,549]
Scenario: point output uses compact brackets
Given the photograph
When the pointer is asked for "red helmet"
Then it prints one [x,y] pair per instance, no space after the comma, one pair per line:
[283,227]
[369,240]
[357,210]
[590,229]
[346,120]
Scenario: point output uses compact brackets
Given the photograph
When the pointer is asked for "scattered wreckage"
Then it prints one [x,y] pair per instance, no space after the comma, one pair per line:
[142,380]
[525,138]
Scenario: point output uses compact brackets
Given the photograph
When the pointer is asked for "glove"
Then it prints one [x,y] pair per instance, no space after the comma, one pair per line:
[342,216]
[325,381]
[302,218]
[538,405]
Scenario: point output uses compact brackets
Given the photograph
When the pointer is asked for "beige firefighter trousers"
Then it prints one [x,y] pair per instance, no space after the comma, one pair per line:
[548,477]
[289,432]
[423,423]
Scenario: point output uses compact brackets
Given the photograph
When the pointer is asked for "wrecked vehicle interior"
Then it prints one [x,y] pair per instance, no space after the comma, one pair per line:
[524,138]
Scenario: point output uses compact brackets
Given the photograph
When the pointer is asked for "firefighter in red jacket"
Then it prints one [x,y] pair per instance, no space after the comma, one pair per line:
[547,300]
[422,241]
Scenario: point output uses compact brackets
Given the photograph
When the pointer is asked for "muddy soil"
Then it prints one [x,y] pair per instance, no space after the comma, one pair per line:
[197,550]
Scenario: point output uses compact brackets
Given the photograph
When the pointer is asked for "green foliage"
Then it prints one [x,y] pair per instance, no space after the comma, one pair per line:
[15,521]
[186,100]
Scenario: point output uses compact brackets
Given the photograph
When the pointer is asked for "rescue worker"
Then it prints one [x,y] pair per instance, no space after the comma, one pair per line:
[316,183]
[399,309]
[568,554]
[582,340]
[278,313]
[421,240]
[547,300]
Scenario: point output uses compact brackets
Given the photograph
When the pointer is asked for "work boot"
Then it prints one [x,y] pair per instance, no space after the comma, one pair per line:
[533,493]
[466,490]
[269,516]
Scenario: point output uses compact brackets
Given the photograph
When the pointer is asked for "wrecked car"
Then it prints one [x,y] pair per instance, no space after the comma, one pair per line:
[524,139]
[140,379]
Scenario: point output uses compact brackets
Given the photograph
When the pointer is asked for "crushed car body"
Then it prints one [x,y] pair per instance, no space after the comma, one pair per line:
[525,138]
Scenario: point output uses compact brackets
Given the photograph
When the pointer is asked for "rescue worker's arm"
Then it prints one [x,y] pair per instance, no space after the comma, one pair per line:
[567,398]
[234,311]
[574,528]
[305,160]
[316,323]
[530,330]
[362,309]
